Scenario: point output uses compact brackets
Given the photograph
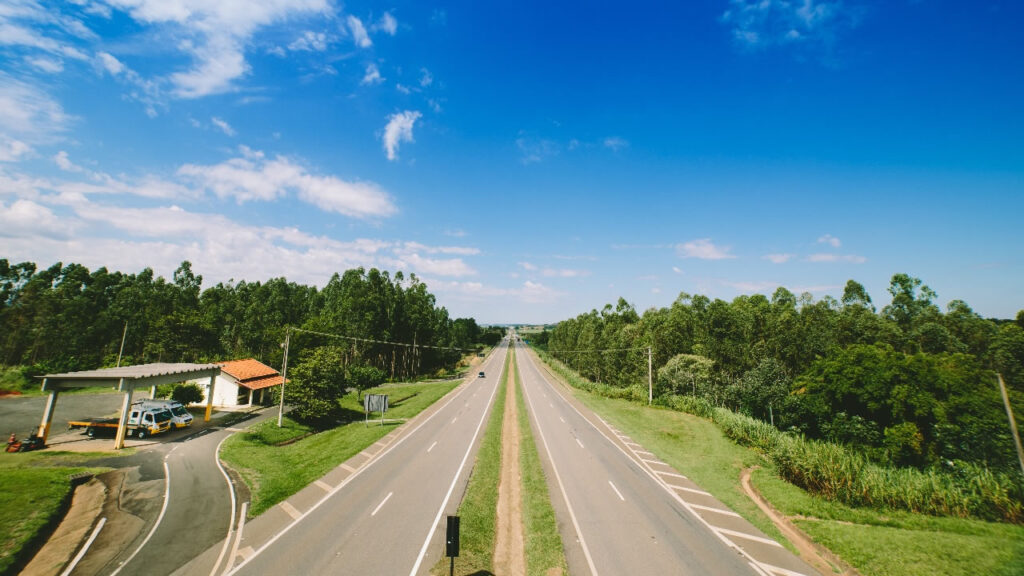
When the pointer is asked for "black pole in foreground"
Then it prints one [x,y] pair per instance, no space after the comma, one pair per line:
[451,542]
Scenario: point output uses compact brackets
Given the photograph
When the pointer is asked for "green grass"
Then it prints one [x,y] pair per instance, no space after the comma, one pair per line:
[874,541]
[33,489]
[479,508]
[274,472]
[544,550]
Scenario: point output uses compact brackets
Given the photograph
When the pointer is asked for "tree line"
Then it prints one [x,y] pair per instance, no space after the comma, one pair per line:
[66,318]
[908,384]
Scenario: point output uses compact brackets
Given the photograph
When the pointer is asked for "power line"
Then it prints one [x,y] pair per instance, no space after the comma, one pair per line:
[598,350]
[372,341]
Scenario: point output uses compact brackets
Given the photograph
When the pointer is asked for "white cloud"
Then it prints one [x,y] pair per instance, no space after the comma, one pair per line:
[214,35]
[110,63]
[254,177]
[758,24]
[528,266]
[677,270]
[426,78]
[387,24]
[24,217]
[48,65]
[703,249]
[439,267]
[65,164]
[777,258]
[224,126]
[461,250]
[398,130]
[746,286]
[372,76]
[535,150]
[455,233]
[12,150]
[830,240]
[614,143]
[830,257]
[29,114]
[310,42]
[359,35]
[563,273]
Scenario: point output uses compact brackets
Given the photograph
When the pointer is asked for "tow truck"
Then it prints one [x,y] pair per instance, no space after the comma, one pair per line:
[141,423]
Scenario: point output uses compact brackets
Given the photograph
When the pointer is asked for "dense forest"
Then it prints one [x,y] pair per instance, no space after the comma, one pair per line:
[66,318]
[905,385]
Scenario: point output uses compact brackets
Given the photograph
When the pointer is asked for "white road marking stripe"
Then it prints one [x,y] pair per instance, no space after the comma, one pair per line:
[324,485]
[653,462]
[778,570]
[81,553]
[454,419]
[617,493]
[159,518]
[562,419]
[580,443]
[715,510]
[432,446]
[645,452]
[381,505]
[728,532]
[238,538]
[670,474]
[247,552]
[231,490]
[291,510]
[691,490]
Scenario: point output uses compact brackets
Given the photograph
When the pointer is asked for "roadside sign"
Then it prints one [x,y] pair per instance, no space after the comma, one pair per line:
[375,403]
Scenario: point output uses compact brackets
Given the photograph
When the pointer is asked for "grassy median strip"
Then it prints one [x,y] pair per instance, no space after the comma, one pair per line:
[875,542]
[544,553]
[34,490]
[274,467]
[479,507]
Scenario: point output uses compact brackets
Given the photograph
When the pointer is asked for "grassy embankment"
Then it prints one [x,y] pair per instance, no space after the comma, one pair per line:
[278,462]
[35,490]
[875,540]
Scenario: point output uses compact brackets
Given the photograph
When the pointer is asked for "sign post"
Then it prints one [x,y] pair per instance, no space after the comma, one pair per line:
[451,542]
[375,403]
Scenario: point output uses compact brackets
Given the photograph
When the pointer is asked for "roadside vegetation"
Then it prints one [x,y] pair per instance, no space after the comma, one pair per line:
[35,491]
[278,462]
[876,540]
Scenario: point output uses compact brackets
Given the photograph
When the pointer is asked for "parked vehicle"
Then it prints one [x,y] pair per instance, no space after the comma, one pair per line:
[142,422]
[180,416]
[480,375]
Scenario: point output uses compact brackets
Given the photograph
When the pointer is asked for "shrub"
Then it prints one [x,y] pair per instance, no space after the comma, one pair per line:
[187,394]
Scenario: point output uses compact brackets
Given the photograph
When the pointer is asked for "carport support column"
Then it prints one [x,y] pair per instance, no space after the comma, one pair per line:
[209,398]
[126,406]
[51,405]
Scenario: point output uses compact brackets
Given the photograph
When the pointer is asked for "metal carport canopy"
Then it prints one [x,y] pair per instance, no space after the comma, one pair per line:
[125,379]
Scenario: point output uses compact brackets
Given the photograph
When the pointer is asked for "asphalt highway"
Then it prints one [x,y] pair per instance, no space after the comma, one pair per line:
[614,517]
[388,518]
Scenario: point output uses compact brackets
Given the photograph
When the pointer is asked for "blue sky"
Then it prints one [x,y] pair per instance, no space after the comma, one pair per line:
[530,161]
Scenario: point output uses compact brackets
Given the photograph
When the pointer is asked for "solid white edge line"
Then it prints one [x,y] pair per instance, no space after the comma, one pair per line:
[650,473]
[88,543]
[381,505]
[617,493]
[432,446]
[163,510]
[363,467]
[231,490]
[558,478]
[455,479]
[238,537]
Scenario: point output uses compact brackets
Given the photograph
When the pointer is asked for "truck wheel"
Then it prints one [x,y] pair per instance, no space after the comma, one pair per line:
[90,432]
[141,433]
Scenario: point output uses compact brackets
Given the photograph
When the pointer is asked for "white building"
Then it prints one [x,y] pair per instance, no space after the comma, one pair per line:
[241,382]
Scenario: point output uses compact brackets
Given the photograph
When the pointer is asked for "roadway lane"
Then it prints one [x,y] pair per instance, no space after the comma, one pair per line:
[614,518]
[384,518]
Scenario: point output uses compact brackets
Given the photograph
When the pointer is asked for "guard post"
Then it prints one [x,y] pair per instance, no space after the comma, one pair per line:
[451,542]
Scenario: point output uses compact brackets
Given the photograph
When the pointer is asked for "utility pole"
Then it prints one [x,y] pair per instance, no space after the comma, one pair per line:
[284,373]
[123,336]
[650,378]
[1013,425]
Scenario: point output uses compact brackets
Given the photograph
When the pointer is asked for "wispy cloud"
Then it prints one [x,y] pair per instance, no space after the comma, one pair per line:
[831,257]
[386,24]
[372,75]
[534,150]
[223,126]
[398,130]
[255,177]
[29,114]
[704,249]
[358,31]
[310,42]
[426,78]
[614,143]
[778,258]
[760,24]
[830,240]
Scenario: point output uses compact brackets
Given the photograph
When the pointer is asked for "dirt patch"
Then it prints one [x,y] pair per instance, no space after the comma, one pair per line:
[509,548]
[822,559]
[86,505]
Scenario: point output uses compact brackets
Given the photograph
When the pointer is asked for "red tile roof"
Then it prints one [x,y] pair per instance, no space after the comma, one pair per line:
[261,383]
[247,370]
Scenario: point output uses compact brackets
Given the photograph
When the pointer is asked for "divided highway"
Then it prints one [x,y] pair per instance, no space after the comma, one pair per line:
[614,517]
[384,518]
